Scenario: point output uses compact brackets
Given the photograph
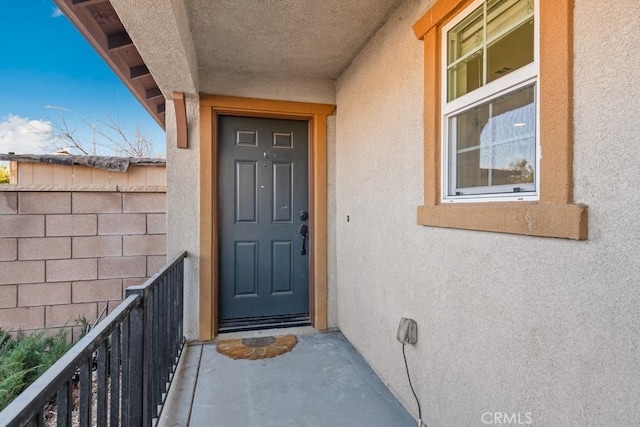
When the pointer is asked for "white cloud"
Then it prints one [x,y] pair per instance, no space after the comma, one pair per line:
[23,136]
[56,12]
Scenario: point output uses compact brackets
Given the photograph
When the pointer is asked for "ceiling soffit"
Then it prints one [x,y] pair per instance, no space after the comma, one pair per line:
[298,38]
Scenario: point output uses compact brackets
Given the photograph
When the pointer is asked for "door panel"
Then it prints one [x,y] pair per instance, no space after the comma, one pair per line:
[263,185]
[282,192]
[246,269]
[281,267]
[246,191]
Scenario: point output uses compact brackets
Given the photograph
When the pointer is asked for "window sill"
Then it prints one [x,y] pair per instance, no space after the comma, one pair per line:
[566,221]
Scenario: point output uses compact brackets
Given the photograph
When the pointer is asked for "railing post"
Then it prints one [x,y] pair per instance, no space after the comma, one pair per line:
[137,376]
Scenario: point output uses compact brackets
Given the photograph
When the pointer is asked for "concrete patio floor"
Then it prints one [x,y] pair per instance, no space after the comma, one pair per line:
[323,381]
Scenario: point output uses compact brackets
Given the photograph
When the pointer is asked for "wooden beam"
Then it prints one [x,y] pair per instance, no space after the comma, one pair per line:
[118,41]
[267,105]
[160,108]
[181,119]
[84,3]
[153,93]
[138,71]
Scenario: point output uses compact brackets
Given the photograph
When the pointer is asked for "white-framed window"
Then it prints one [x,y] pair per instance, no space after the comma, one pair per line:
[490,88]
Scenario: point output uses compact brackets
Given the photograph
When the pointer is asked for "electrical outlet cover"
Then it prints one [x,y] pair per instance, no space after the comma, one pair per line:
[407,331]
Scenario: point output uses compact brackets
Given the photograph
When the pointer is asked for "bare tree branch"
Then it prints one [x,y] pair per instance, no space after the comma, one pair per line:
[60,131]
[110,135]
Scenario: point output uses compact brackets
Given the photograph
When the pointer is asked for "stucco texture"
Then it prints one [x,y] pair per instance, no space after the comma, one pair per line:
[183,208]
[507,323]
[252,85]
[169,54]
[283,37]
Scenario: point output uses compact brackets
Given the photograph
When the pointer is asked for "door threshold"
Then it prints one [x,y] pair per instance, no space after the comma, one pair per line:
[258,323]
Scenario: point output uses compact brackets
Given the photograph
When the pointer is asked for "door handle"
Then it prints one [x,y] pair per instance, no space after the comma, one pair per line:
[303,231]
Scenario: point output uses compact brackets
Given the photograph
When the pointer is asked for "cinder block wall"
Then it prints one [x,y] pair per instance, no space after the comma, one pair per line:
[63,254]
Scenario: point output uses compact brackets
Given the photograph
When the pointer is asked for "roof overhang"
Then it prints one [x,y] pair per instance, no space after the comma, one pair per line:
[99,23]
[158,47]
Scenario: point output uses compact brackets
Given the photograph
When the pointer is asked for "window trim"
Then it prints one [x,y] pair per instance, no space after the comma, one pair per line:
[487,193]
[554,214]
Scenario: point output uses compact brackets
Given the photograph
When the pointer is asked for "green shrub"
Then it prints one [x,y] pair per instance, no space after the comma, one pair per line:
[23,358]
[4,174]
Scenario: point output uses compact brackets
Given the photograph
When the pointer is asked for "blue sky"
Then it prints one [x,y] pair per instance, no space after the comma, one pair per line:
[45,61]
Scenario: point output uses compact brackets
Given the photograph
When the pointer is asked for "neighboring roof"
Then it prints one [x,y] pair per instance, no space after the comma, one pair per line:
[120,164]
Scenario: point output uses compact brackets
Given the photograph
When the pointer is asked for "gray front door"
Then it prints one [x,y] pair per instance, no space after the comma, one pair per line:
[263,196]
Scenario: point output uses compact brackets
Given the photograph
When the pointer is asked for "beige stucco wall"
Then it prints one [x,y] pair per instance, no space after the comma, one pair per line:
[506,323]
[250,85]
[183,207]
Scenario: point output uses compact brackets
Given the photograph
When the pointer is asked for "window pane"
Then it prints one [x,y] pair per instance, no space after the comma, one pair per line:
[466,36]
[508,146]
[511,51]
[470,125]
[495,143]
[468,173]
[465,76]
[502,14]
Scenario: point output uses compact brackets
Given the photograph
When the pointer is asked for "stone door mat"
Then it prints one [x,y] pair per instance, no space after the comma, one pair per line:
[257,348]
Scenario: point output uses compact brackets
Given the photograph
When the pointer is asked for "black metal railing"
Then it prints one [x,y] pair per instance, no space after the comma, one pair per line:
[121,369]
